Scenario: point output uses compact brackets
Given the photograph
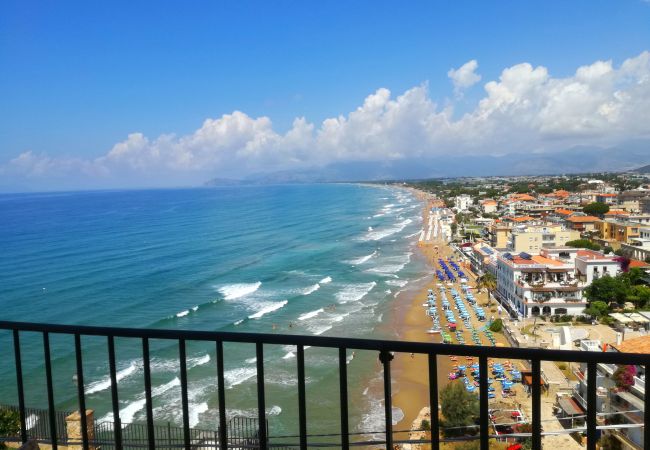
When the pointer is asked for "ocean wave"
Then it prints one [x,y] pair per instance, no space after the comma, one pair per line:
[183,313]
[269,308]
[195,412]
[311,314]
[311,289]
[362,259]
[391,269]
[238,322]
[105,383]
[238,290]
[325,280]
[381,234]
[238,376]
[354,292]
[128,413]
[398,283]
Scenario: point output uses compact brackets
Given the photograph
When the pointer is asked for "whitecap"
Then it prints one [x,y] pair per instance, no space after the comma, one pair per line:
[183,313]
[237,322]
[238,290]
[325,280]
[237,376]
[195,412]
[354,292]
[399,283]
[362,259]
[195,308]
[311,289]
[104,384]
[310,314]
[381,234]
[269,308]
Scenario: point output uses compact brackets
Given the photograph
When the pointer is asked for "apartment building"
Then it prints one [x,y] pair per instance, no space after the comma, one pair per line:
[581,224]
[622,405]
[639,247]
[463,202]
[535,237]
[616,231]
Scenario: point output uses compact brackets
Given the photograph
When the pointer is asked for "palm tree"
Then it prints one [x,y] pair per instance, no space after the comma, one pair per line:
[489,282]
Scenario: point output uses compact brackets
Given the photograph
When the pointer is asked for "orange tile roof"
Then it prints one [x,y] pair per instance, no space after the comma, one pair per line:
[635,345]
[635,263]
[617,212]
[580,219]
[564,212]
[523,197]
[591,254]
[543,260]
[522,219]
[560,193]
[488,202]
[607,195]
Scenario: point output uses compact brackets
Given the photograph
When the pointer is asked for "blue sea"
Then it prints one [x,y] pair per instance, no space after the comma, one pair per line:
[325,259]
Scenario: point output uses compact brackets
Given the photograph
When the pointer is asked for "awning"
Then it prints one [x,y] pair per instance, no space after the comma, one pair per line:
[570,406]
[629,318]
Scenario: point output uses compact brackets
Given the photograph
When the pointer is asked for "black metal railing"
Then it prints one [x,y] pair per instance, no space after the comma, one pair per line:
[260,440]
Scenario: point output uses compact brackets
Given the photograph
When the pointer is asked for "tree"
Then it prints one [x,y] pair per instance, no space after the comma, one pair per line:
[596,209]
[607,289]
[597,308]
[489,282]
[583,243]
[459,408]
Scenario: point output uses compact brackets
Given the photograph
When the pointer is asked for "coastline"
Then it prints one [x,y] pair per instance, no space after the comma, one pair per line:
[410,373]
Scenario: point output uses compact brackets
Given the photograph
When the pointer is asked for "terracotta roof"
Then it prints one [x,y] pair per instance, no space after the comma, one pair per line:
[635,263]
[607,195]
[635,345]
[548,261]
[488,202]
[591,254]
[564,212]
[582,219]
[617,212]
[561,193]
[522,219]
[523,197]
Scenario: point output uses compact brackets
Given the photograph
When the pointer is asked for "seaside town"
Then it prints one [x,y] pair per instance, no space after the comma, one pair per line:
[557,262]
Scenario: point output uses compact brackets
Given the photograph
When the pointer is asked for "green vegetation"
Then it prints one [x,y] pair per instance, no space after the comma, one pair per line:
[625,287]
[496,326]
[425,425]
[489,282]
[596,209]
[459,409]
[583,243]
[9,423]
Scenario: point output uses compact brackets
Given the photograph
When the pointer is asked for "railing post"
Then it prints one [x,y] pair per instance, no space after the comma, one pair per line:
[385,357]
[646,412]
[343,398]
[147,394]
[81,391]
[19,386]
[302,408]
[483,403]
[117,423]
[50,391]
[261,396]
[536,403]
[433,401]
[221,387]
[184,400]
[591,405]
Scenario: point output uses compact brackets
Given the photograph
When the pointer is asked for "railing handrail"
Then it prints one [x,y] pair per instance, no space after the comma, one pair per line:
[338,342]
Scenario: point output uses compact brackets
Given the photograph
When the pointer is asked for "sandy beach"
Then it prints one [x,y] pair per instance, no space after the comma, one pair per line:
[411,392]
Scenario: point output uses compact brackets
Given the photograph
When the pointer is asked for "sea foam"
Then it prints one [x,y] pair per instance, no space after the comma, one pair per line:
[269,308]
[238,290]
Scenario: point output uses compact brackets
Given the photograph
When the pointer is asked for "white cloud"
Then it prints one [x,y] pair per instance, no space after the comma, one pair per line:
[525,109]
[465,76]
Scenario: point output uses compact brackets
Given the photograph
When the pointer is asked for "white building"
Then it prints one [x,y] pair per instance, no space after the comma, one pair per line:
[591,265]
[539,285]
[639,247]
[463,202]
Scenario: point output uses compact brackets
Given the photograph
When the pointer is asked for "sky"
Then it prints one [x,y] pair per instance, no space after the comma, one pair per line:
[127,94]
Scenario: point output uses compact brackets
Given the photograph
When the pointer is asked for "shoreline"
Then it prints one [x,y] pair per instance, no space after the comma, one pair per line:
[408,319]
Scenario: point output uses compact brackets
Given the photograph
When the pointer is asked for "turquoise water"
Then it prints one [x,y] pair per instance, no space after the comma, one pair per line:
[315,259]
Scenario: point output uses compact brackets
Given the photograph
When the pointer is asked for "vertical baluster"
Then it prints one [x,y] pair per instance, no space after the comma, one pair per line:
[147,393]
[80,391]
[591,406]
[50,390]
[388,400]
[646,412]
[433,401]
[261,399]
[20,387]
[536,396]
[302,409]
[483,402]
[221,386]
[117,423]
[343,396]
[184,401]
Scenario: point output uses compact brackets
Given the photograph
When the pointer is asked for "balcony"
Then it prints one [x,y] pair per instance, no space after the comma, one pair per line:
[225,436]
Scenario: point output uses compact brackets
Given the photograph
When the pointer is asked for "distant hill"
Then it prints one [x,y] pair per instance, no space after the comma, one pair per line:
[579,159]
[644,169]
